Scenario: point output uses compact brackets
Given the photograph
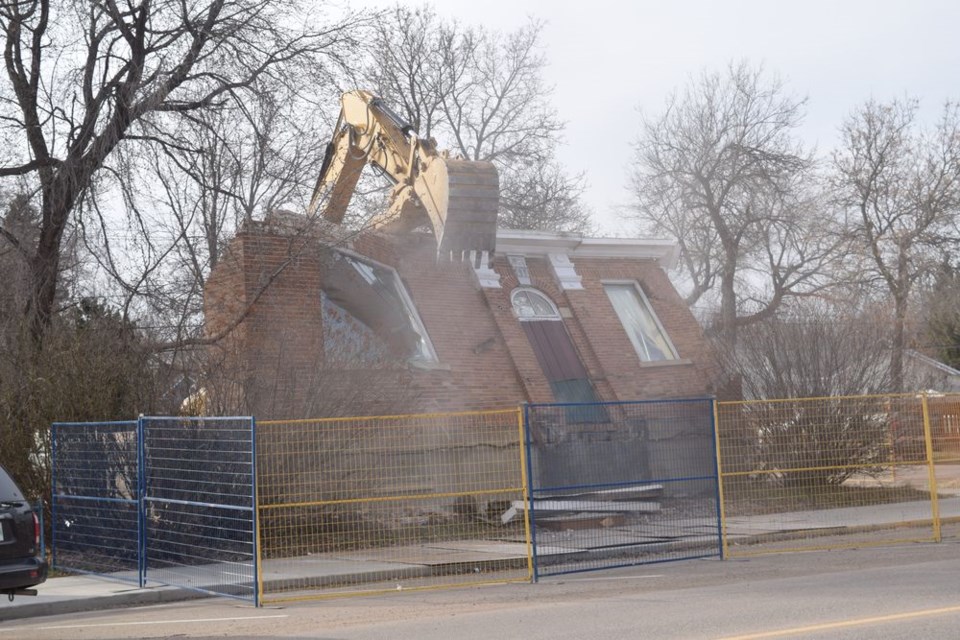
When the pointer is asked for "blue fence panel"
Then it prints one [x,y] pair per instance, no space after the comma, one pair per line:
[619,484]
[198,504]
[95,494]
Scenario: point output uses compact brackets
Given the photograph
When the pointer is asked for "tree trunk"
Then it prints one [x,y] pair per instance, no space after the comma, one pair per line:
[896,358]
[728,305]
[58,200]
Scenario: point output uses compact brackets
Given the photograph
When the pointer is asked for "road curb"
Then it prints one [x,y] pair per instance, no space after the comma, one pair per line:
[138,597]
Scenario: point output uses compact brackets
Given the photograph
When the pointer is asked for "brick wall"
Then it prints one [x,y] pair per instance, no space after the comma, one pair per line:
[476,369]
[603,345]
[270,277]
[628,377]
[485,360]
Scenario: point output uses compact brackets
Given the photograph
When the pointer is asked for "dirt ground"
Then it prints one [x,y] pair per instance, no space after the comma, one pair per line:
[947,476]
[916,476]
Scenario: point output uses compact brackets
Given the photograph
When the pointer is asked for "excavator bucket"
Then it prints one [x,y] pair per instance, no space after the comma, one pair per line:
[469,192]
[460,197]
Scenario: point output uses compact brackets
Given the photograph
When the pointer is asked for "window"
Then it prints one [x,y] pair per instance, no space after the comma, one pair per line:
[642,326]
[378,317]
[530,304]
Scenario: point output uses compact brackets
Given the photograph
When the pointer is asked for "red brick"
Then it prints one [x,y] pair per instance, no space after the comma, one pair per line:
[485,360]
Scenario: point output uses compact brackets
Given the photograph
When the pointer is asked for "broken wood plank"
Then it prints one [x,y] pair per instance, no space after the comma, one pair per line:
[645,492]
[555,506]
[591,505]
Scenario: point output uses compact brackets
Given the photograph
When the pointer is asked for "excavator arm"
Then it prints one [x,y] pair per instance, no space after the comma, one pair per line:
[458,198]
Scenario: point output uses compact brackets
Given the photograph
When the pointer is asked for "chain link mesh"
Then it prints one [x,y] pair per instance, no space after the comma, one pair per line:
[95,491]
[800,474]
[618,484]
[359,505]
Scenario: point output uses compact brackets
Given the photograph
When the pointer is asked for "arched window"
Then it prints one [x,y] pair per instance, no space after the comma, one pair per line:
[530,304]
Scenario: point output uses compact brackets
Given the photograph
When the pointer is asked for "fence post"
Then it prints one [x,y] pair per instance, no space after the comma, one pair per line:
[525,488]
[931,467]
[721,509]
[141,511]
[53,494]
[530,521]
[255,496]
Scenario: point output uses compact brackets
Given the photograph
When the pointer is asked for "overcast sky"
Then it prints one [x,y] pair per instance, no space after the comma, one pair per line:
[611,60]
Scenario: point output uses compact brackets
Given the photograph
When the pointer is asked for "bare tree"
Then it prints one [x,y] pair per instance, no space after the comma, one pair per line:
[901,189]
[941,303]
[542,196]
[407,59]
[92,367]
[826,366]
[86,77]
[256,155]
[20,224]
[721,171]
[220,168]
[813,350]
[482,95]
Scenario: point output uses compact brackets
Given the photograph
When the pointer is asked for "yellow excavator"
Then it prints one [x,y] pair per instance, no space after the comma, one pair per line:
[457,198]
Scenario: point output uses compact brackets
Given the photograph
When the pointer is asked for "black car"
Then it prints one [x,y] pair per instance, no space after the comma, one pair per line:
[21,566]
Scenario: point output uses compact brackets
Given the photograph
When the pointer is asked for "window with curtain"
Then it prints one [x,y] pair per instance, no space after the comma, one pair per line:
[640,323]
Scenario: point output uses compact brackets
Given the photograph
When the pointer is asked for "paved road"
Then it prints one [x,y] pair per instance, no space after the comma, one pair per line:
[896,592]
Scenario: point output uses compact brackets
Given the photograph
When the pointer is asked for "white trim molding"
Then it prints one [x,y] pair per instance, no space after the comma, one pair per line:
[519,265]
[574,245]
[564,271]
[487,278]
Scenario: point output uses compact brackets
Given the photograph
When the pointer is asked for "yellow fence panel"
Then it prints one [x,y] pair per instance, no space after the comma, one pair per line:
[824,473]
[378,504]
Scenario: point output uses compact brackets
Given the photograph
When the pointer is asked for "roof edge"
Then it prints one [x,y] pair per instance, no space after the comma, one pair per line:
[541,243]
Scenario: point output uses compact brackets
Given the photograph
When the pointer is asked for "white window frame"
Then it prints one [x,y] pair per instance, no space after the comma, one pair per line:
[554,316]
[653,314]
[411,308]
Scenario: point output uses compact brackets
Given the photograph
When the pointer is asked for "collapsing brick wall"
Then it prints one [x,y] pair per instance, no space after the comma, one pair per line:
[484,359]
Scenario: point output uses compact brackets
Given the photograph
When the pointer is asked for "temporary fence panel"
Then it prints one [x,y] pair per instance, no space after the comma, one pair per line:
[378,504]
[824,473]
[618,484]
[95,491]
[198,504]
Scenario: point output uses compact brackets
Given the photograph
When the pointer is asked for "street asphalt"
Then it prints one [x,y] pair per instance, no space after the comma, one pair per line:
[74,594]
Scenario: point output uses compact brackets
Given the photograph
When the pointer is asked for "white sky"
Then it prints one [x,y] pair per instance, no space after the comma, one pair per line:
[610,60]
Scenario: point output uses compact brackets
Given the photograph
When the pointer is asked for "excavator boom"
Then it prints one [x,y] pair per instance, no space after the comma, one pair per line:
[459,199]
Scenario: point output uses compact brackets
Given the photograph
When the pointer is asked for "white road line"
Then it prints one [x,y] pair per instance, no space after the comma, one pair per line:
[136,624]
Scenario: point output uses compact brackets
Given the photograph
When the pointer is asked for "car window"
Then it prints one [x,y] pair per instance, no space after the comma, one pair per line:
[8,488]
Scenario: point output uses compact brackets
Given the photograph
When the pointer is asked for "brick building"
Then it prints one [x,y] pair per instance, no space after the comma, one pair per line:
[316,324]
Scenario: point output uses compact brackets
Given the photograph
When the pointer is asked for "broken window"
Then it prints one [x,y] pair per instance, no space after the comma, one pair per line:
[644,330]
[368,312]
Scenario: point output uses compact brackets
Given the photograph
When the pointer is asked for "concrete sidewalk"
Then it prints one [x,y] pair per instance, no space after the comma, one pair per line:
[842,517]
[88,593]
